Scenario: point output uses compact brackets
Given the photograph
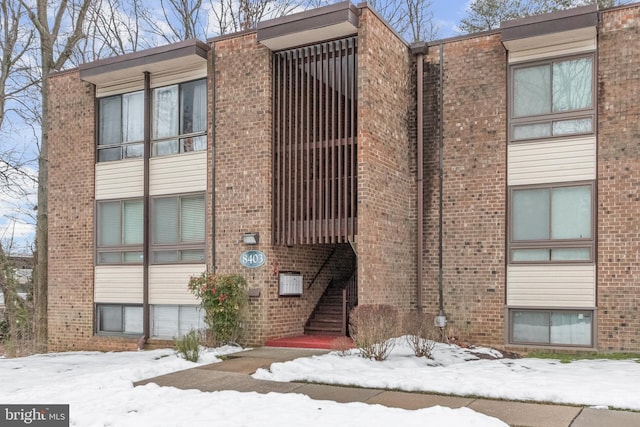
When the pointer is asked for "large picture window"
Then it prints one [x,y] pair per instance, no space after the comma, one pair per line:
[118,319]
[119,231]
[178,229]
[552,98]
[551,224]
[552,327]
[179,118]
[121,127]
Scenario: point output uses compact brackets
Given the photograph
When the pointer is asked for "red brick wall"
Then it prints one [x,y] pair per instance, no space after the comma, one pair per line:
[243,177]
[71,210]
[619,180]
[474,186]
[386,168]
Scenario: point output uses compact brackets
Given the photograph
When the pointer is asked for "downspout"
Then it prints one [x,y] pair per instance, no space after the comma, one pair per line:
[146,321]
[419,49]
[213,157]
[441,320]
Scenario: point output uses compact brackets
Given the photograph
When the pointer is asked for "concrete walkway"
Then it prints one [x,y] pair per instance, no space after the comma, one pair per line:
[234,374]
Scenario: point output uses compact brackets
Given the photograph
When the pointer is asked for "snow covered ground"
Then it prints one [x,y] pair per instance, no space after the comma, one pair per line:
[461,372]
[99,387]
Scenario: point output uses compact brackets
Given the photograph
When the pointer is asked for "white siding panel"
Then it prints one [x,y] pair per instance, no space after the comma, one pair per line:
[118,87]
[118,284]
[551,285]
[193,72]
[119,180]
[168,283]
[551,45]
[552,161]
[182,173]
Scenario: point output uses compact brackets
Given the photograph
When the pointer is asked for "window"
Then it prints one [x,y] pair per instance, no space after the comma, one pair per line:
[119,319]
[552,98]
[121,127]
[551,224]
[176,320]
[178,228]
[119,232]
[180,118]
[549,327]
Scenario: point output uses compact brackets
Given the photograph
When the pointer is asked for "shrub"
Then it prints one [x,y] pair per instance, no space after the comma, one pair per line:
[223,298]
[342,345]
[188,346]
[421,333]
[372,328]
[4,330]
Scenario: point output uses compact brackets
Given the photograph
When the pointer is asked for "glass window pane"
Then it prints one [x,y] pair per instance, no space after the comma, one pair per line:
[109,224]
[133,151]
[571,328]
[162,257]
[110,121]
[133,117]
[134,257]
[133,219]
[530,255]
[191,317]
[572,84]
[571,212]
[165,112]
[570,254]
[530,327]
[530,214]
[165,148]
[109,154]
[539,130]
[192,255]
[133,320]
[165,321]
[568,127]
[109,257]
[165,220]
[532,91]
[110,318]
[193,99]
[198,143]
[192,219]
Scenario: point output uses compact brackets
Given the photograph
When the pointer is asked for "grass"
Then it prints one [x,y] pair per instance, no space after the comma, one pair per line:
[568,358]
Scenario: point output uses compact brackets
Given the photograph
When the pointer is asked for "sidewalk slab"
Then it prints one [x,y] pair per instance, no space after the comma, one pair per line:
[412,401]
[337,394]
[527,414]
[590,417]
[241,365]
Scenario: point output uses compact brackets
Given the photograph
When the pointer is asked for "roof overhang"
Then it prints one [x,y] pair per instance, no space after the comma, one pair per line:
[313,26]
[569,25]
[132,65]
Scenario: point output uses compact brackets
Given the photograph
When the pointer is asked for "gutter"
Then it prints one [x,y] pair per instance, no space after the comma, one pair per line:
[146,322]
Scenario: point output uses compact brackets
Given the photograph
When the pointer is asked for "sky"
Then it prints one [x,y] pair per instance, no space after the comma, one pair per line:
[99,387]
[447,14]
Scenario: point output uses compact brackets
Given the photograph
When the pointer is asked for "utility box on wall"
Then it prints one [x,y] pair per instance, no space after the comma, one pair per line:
[290,284]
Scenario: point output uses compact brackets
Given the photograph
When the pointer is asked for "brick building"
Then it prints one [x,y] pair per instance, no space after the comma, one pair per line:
[492,179]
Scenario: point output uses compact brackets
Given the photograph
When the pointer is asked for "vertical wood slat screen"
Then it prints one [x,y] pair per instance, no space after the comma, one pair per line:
[314,143]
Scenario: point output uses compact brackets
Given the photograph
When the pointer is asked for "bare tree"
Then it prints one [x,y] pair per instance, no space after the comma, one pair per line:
[113,27]
[181,20]
[231,16]
[420,18]
[15,42]
[59,26]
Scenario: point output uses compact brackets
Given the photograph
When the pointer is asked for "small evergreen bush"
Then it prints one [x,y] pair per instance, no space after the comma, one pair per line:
[373,328]
[188,346]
